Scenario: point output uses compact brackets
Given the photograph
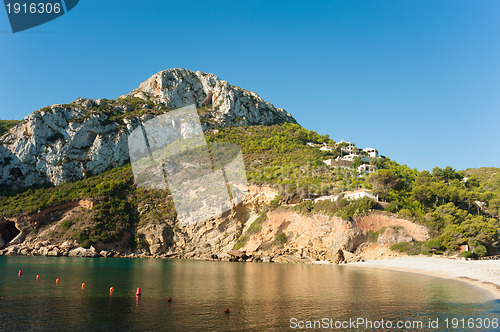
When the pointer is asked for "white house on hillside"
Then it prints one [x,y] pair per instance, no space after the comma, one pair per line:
[367,168]
[350,148]
[360,194]
[325,148]
[350,157]
[331,198]
[373,153]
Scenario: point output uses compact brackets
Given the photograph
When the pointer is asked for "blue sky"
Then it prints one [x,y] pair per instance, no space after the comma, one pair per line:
[419,80]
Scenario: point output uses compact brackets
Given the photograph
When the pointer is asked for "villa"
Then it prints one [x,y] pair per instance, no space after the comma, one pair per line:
[373,153]
[331,198]
[325,148]
[350,157]
[367,169]
[360,194]
[357,194]
[350,148]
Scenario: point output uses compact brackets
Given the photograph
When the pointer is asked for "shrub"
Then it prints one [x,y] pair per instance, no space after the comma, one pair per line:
[406,213]
[410,248]
[478,248]
[304,207]
[432,246]
[480,251]
[66,224]
[241,242]
[373,236]
[5,125]
[256,226]
[275,202]
[141,241]
[280,239]
[350,208]
[467,254]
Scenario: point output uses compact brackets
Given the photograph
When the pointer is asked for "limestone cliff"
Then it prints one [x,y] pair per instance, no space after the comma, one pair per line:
[65,143]
[232,105]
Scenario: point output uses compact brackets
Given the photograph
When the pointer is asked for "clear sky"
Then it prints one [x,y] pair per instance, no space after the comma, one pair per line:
[418,80]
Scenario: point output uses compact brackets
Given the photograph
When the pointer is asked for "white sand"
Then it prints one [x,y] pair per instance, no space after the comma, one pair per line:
[482,273]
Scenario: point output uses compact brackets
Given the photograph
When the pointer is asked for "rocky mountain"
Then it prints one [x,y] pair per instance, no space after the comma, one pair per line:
[231,105]
[65,143]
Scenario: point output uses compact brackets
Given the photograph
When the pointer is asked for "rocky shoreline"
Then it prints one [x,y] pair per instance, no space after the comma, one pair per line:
[70,249]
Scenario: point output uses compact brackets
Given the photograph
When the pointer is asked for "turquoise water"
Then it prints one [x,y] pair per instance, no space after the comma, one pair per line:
[261,297]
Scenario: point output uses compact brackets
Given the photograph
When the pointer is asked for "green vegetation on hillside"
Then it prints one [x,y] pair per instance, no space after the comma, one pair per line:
[121,109]
[278,155]
[117,110]
[5,125]
[456,210]
[342,208]
[113,218]
[458,207]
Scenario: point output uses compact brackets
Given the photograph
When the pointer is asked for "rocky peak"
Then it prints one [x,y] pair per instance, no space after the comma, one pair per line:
[64,143]
[231,105]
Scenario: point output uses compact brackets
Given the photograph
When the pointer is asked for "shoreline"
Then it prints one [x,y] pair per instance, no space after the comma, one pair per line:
[479,273]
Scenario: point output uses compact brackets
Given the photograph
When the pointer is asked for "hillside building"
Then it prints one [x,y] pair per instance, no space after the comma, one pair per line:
[349,148]
[332,198]
[367,169]
[325,148]
[373,153]
[350,157]
[338,163]
[360,194]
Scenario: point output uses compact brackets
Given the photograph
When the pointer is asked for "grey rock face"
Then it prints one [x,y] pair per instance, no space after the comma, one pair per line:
[64,143]
[231,105]
[53,145]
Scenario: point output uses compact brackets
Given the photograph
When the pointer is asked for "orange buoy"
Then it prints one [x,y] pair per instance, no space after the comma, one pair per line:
[20,273]
[169,299]
[138,293]
[111,290]
[37,276]
[227,311]
[57,281]
[83,286]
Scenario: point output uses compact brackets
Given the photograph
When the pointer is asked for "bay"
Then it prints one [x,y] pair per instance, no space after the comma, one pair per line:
[260,296]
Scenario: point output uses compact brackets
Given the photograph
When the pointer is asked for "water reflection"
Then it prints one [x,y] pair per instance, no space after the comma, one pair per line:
[260,296]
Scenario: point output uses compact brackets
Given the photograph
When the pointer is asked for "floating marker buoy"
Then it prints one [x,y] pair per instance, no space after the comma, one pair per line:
[138,293]
[83,285]
[20,273]
[37,276]
[169,299]
[111,290]
[57,281]
[227,311]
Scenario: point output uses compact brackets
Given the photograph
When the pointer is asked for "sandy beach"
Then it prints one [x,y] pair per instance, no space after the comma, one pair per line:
[481,273]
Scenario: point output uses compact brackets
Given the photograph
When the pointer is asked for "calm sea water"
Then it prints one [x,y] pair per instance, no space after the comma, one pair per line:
[261,297]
